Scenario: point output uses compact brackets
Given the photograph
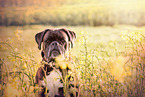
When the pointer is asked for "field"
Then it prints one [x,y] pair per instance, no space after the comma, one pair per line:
[108,60]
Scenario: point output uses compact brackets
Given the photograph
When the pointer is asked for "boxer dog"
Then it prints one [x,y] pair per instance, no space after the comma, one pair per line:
[55,42]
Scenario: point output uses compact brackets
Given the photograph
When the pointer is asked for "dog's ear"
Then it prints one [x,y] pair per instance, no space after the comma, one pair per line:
[71,36]
[39,38]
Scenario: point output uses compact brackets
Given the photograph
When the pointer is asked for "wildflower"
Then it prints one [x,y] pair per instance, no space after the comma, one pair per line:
[71,79]
[111,43]
[82,33]
[63,66]
[61,62]
[136,36]
[131,36]
[69,65]
[14,69]
[81,62]
[69,72]
[31,89]
[79,67]
[118,69]
[129,73]
[24,66]
[13,60]
[17,33]
[124,36]
[89,56]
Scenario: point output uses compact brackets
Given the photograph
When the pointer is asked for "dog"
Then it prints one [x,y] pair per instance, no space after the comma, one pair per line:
[54,43]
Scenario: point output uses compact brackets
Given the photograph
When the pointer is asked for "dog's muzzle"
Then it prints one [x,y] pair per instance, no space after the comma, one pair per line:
[55,49]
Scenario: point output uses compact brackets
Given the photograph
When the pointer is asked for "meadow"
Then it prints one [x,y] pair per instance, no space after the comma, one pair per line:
[108,60]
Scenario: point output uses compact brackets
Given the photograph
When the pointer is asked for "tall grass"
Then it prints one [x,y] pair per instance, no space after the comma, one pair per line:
[97,71]
[18,70]
[100,74]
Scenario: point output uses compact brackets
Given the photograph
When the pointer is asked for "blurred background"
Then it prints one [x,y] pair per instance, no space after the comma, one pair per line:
[72,12]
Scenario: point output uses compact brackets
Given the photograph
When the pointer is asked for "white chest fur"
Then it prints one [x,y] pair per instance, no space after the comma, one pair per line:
[52,82]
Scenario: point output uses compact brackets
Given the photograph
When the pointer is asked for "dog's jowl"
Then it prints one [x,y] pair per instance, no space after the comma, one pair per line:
[54,43]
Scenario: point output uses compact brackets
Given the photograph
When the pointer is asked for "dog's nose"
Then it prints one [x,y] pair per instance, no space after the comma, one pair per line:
[54,43]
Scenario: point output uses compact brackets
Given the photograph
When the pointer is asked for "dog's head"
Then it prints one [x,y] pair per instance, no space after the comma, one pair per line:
[55,42]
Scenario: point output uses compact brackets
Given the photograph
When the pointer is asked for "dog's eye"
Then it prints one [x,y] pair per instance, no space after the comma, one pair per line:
[47,41]
[62,42]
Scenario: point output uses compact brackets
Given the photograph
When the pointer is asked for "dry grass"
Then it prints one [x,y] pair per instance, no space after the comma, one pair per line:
[109,61]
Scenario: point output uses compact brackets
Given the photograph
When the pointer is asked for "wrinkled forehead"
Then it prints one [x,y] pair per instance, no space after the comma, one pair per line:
[56,34]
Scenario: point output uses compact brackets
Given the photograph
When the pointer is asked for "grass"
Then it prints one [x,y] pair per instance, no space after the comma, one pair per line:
[109,61]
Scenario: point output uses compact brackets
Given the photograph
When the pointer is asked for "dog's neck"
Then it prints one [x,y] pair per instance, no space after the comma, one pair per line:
[66,56]
[51,63]
[58,64]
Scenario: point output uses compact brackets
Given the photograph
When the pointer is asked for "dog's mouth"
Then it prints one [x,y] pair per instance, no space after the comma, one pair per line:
[54,53]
